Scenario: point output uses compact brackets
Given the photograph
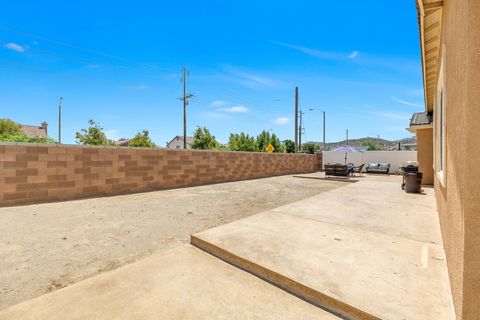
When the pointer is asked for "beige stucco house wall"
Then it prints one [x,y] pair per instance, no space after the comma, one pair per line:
[450,43]
[425,154]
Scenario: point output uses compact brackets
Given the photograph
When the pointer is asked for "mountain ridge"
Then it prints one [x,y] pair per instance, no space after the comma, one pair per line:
[384,144]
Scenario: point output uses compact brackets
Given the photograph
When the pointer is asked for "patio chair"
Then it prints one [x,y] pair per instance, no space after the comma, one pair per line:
[350,167]
[358,169]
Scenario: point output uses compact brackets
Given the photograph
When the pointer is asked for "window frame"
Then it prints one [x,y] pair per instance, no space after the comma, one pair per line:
[440,123]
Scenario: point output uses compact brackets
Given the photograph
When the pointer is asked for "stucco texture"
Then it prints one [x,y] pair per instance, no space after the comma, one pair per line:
[425,155]
[458,199]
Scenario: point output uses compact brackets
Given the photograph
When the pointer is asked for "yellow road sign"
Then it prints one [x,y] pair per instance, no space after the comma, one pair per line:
[270,148]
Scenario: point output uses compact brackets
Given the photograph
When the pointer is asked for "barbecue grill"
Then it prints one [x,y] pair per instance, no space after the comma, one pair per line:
[411,175]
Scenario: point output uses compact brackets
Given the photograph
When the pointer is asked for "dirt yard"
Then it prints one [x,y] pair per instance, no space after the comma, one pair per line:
[48,246]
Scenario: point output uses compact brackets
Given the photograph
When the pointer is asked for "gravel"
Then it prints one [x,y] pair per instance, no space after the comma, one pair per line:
[44,247]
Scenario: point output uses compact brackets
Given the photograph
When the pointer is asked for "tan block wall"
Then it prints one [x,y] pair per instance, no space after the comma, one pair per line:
[38,173]
[459,200]
[425,155]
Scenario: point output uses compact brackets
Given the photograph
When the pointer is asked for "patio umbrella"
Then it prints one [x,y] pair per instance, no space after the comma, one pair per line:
[346,149]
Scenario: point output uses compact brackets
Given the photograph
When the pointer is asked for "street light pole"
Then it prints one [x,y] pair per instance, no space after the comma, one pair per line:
[324,142]
[60,120]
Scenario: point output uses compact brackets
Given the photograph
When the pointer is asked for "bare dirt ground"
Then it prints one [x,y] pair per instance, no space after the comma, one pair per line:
[44,247]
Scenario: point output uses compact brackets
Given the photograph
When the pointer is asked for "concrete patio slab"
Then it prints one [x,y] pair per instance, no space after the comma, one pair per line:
[375,203]
[353,250]
[183,283]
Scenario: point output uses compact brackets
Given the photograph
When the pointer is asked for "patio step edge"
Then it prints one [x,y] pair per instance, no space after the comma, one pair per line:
[291,286]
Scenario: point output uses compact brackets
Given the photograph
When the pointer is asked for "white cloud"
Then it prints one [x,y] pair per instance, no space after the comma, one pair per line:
[139,87]
[218,103]
[250,79]
[407,103]
[353,55]
[281,120]
[14,47]
[317,53]
[307,51]
[234,109]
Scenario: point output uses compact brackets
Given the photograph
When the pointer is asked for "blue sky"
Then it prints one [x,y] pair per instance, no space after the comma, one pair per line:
[120,65]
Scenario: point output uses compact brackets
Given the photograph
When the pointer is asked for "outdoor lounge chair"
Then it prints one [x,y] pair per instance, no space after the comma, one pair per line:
[358,169]
[378,168]
[336,170]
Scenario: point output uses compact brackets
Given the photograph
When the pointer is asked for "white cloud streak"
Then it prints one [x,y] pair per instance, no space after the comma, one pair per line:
[353,55]
[218,103]
[407,103]
[281,120]
[139,87]
[14,47]
[250,79]
[317,53]
[234,109]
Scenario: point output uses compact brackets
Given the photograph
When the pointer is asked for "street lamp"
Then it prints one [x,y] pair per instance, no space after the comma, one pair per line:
[313,109]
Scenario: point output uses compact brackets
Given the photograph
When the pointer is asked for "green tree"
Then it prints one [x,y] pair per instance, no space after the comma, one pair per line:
[371,145]
[142,139]
[204,140]
[11,131]
[9,127]
[264,139]
[93,135]
[289,146]
[309,148]
[242,142]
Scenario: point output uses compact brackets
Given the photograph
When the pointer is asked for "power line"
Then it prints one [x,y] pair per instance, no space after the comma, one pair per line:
[68,45]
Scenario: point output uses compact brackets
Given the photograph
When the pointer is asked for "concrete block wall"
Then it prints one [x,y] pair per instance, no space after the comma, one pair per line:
[31,173]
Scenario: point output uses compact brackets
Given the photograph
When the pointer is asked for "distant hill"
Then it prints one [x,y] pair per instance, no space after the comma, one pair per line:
[405,144]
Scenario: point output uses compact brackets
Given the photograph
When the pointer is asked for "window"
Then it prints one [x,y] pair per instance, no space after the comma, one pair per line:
[178,147]
[440,123]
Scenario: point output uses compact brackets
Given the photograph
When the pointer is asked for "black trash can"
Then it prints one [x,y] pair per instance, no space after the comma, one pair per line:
[413,182]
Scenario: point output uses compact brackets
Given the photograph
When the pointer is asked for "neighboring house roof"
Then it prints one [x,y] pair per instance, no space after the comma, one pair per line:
[189,140]
[122,142]
[35,131]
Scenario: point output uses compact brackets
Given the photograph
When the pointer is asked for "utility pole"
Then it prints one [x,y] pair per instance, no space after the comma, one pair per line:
[296,119]
[313,109]
[324,144]
[60,120]
[346,130]
[185,75]
[300,131]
